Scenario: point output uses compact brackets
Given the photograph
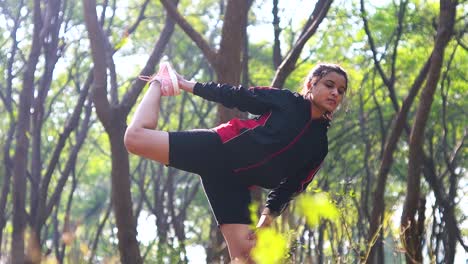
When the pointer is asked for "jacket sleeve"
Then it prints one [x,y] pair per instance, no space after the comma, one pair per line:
[279,198]
[254,100]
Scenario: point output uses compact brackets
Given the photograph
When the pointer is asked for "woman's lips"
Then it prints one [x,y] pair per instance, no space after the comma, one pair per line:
[331,101]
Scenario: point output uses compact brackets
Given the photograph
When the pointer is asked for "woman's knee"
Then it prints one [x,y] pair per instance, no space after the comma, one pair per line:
[240,240]
[131,137]
[148,143]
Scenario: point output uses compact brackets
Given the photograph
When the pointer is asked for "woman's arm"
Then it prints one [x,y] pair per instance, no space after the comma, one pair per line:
[185,84]
[255,100]
[280,197]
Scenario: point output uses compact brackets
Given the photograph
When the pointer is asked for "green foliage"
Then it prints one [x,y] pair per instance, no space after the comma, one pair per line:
[261,69]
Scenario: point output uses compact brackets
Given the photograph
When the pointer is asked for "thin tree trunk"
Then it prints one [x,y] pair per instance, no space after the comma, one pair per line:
[7,102]
[375,240]
[277,57]
[321,234]
[22,142]
[98,233]
[289,62]
[113,117]
[115,127]
[412,236]
[226,62]
[377,214]
[52,22]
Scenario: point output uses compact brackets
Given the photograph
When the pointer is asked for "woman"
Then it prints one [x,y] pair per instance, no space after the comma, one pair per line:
[281,149]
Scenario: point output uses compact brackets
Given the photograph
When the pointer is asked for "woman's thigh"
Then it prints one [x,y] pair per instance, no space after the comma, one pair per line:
[197,151]
[229,199]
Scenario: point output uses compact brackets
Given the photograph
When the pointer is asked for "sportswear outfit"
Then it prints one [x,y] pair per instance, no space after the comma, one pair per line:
[282,149]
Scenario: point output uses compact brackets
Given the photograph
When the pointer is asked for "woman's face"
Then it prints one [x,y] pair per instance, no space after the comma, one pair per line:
[328,92]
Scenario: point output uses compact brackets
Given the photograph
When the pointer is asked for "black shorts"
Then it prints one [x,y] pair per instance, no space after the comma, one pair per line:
[201,151]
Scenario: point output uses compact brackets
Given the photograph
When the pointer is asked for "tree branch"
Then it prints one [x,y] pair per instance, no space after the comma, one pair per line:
[98,50]
[388,82]
[190,31]
[141,17]
[287,66]
[131,96]
[70,126]
[69,164]
[399,32]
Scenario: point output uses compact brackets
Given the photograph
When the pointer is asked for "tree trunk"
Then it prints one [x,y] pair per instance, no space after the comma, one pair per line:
[8,141]
[398,125]
[121,196]
[6,182]
[115,127]
[226,62]
[22,142]
[113,117]
[412,239]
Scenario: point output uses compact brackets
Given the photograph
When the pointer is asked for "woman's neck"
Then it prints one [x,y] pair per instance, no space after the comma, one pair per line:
[315,111]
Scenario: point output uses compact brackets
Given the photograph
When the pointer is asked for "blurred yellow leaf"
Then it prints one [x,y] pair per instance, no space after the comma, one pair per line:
[271,247]
[253,209]
[122,42]
[84,249]
[317,206]
[49,260]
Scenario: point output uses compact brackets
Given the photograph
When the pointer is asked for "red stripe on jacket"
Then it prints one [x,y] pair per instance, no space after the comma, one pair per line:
[276,153]
[310,177]
[235,127]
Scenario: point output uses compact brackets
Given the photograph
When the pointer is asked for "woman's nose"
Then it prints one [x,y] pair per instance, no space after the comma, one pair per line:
[334,91]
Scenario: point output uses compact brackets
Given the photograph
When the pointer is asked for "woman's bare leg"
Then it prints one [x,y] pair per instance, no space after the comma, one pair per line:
[141,137]
[240,241]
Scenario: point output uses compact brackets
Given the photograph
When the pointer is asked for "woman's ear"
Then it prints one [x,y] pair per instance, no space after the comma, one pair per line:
[312,83]
[309,85]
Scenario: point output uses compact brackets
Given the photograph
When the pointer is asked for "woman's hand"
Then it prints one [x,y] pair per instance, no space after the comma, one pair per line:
[265,219]
[185,84]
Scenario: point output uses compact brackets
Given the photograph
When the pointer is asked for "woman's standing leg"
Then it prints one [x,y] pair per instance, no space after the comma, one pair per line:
[141,137]
[240,241]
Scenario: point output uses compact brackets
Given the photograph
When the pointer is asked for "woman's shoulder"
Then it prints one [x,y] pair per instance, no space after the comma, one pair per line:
[278,91]
[284,98]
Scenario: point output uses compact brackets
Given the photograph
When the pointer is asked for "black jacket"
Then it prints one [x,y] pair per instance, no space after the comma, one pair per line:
[281,149]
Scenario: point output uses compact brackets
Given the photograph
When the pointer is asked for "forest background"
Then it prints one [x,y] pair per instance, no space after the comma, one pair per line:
[393,187]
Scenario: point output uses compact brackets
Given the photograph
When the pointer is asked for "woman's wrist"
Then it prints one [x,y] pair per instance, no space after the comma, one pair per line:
[266,211]
[266,218]
[186,85]
[265,221]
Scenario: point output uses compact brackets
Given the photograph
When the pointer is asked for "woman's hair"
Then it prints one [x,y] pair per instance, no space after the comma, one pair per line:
[321,70]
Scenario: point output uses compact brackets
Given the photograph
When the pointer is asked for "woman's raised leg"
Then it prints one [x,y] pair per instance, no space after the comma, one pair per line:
[141,137]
